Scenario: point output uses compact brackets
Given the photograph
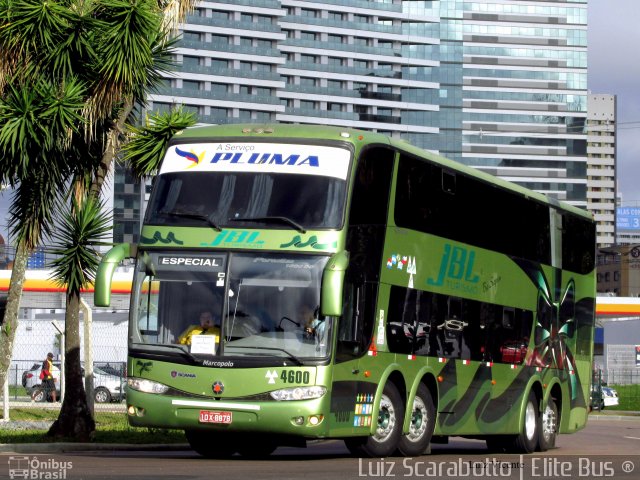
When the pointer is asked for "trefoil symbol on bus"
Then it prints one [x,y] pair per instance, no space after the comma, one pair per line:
[271,375]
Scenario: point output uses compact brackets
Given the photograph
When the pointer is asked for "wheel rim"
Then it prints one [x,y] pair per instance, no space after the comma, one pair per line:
[549,421]
[419,420]
[530,421]
[101,396]
[386,420]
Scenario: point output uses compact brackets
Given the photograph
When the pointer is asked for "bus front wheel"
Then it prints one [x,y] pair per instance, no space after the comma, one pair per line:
[423,416]
[257,447]
[211,444]
[386,438]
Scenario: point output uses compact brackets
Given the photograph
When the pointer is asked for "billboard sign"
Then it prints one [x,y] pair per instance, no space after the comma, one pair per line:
[628,218]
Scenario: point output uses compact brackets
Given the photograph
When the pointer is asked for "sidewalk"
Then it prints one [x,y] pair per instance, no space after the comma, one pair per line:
[614,415]
[69,447]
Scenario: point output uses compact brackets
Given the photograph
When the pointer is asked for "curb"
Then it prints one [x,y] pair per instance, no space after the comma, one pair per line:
[68,447]
[613,417]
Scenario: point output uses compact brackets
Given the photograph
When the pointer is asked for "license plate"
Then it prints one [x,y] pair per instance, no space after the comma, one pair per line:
[208,416]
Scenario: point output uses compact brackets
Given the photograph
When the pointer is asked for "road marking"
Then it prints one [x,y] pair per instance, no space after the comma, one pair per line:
[633,438]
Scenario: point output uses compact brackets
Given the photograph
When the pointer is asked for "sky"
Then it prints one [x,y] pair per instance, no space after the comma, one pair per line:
[613,40]
[614,68]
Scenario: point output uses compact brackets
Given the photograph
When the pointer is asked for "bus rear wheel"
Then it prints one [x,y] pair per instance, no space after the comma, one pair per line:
[211,444]
[527,440]
[423,415]
[386,438]
[548,426]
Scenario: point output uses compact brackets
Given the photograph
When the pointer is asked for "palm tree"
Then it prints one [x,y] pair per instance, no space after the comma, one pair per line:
[83,227]
[112,51]
[33,140]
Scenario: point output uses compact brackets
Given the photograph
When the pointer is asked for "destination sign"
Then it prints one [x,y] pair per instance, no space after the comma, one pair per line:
[258,157]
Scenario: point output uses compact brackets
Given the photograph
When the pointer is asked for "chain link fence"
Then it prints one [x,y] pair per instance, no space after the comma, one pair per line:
[616,389]
[40,323]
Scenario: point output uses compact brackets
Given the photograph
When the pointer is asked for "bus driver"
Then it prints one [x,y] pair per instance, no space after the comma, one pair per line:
[205,327]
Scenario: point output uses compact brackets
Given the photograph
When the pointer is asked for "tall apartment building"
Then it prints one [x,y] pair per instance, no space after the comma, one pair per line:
[496,84]
[601,166]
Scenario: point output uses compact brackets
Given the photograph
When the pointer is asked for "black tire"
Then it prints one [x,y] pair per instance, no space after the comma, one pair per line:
[548,426]
[212,444]
[102,395]
[257,448]
[527,440]
[499,443]
[423,421]
[384,442]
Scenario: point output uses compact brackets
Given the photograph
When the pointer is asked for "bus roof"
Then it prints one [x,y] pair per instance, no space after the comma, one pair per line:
[354,136]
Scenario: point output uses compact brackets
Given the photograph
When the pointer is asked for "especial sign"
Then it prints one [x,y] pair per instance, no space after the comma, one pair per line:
[191,262]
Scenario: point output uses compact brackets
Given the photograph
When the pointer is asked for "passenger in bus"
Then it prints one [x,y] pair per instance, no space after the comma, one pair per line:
[207,326]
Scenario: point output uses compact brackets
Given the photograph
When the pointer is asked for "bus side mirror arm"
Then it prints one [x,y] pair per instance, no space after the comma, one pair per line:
[108,265]
[333,284]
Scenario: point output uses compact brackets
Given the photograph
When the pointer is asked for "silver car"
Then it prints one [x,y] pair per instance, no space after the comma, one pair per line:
[106,387]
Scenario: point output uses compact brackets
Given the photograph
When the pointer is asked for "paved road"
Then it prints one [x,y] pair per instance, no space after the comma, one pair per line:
[606,448]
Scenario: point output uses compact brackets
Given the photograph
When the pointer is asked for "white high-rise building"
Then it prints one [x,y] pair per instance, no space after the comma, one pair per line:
[601,166]
[499,85]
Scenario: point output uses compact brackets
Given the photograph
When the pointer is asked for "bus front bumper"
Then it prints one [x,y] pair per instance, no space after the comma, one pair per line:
[307,418]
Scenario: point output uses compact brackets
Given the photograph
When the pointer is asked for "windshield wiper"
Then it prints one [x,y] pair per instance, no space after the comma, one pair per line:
[182,350]
[285,220]
[197,216]
[289,354]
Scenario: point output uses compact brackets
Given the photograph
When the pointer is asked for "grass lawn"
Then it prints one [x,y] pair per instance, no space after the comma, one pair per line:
[110,428]
[628,396]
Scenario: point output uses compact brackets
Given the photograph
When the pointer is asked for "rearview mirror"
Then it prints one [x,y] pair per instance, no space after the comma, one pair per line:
[333,283]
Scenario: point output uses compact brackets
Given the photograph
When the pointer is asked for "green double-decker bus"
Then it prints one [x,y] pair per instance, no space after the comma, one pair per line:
[354,287]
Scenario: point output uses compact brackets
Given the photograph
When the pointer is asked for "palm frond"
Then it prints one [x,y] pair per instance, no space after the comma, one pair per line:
[175,12]
[145,150]
[123,49]
[83,227]
[33,205]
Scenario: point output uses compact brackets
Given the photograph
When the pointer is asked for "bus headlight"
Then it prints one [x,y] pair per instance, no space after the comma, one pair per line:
[298,393]
[146,386]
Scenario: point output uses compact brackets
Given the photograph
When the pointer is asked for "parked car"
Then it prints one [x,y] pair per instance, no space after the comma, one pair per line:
[609,397]
[603,396]
[106,387]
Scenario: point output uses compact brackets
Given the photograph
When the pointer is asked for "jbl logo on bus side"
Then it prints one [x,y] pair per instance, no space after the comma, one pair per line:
[456,264]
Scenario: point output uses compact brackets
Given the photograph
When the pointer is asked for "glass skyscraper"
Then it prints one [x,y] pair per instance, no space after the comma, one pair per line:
[497,84]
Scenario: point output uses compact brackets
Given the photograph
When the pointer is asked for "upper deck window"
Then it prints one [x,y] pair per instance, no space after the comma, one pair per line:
[251,186]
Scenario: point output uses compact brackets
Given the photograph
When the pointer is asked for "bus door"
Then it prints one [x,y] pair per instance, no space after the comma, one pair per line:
[352,392]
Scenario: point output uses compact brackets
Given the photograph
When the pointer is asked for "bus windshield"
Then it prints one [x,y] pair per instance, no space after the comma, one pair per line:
[231,305]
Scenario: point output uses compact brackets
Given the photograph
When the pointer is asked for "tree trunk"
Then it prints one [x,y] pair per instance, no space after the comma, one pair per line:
[113,144]
[10,321]
[75,420]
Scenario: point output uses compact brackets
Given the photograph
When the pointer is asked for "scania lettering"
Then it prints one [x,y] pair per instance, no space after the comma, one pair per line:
[362,289]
